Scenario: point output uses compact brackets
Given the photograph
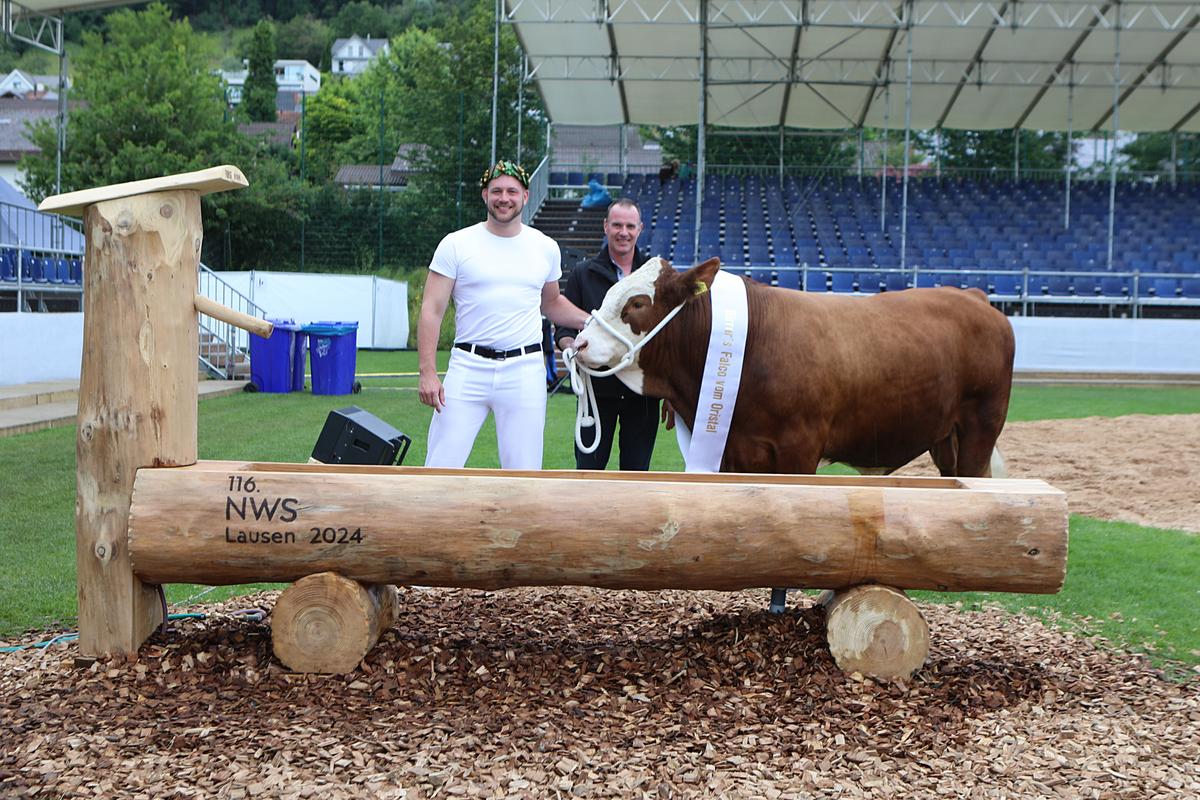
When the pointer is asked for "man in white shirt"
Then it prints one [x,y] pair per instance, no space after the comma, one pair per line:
[502,275]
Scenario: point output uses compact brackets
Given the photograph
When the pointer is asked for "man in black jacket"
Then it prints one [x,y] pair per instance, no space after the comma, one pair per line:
[586,286]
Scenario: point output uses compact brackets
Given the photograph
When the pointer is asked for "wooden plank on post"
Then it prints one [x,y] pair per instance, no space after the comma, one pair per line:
[204,181]
[236,522]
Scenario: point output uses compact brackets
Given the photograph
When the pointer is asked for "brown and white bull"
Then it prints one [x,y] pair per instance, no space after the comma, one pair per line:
[871,382]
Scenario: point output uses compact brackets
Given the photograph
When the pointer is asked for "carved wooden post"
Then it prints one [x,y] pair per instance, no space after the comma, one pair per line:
[137,388]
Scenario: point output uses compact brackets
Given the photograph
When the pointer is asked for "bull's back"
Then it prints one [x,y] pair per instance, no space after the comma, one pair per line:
[880,376]
[866,340]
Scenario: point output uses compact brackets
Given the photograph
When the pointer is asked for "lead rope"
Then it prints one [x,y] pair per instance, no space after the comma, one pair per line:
[587,413]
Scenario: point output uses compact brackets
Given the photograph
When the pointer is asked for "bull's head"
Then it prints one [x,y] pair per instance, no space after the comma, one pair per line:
[633,307]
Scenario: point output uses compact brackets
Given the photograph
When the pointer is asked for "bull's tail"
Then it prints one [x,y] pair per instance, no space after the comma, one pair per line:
[996,466]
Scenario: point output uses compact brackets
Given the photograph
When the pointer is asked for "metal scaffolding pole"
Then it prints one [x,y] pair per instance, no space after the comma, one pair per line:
[495,75]
[1016,154]
[521,103]
[1112,164]
[1174,156]
[780,157]
[700,127]
[887,105]
[860,154]
[61,140]
[907,132]
[1070,154]
[623,140]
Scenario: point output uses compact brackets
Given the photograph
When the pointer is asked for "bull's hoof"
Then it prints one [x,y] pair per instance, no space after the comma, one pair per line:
[778,601]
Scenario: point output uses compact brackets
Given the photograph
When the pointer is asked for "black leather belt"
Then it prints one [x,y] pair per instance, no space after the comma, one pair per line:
[498,355]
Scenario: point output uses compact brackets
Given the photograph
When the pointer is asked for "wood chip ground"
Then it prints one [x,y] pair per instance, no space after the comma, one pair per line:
[566,692]
[588,693]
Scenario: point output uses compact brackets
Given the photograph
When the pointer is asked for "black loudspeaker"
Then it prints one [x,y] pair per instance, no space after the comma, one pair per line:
[354,436]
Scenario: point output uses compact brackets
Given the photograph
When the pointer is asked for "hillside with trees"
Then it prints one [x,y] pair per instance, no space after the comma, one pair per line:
[150,103]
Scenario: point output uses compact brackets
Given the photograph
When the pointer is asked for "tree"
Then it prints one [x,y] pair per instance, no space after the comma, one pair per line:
[1151,152]
[364,19]
[258,95]
[329,123]
[993,150]
[760,148]
[151,107]
[305,38]
[426,81]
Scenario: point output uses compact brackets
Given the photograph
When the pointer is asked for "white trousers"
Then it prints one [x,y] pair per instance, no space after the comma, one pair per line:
[514,390]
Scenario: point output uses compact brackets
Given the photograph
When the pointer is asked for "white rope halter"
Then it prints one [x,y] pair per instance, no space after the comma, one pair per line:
[587,412]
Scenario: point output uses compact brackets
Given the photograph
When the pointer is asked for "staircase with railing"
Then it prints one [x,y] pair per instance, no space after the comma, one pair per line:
[224,348]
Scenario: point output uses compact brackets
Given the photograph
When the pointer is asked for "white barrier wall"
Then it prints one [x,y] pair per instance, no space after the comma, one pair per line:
[43,347]
[1063,344]
[378,305]
[40,347]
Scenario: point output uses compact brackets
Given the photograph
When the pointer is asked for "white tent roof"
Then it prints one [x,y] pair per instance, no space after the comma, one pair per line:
[843,63]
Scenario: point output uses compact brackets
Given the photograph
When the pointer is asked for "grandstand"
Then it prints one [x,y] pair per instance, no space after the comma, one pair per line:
[1003,236]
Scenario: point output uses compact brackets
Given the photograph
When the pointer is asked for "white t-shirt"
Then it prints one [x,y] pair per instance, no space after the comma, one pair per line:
[498,283]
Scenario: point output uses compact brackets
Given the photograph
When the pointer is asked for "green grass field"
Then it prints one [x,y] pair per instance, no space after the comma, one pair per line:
[1134,586]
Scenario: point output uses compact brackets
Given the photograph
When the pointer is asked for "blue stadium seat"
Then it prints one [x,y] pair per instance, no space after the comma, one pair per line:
[38,269]
[1190,288]
[843,281]
[75,271]
[895,282]
[1006,284]
[1114,286]
[1166,287]
[1086,285]
[8,266]
[1058,285]
[975,281]
[788,278]
[870,282]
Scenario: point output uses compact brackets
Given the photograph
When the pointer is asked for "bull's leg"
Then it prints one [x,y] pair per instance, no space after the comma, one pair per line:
[945,454]
[778,601]
[969,453]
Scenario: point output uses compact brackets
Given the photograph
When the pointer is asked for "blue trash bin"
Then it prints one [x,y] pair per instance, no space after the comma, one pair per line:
[298,358]
[332,349]
[273,361]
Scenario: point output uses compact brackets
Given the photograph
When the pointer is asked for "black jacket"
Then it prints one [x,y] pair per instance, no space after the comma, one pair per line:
[586,286]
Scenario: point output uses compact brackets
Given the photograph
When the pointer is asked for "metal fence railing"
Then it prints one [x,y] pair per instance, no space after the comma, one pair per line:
[222,345]
[1133,291]
[539,190]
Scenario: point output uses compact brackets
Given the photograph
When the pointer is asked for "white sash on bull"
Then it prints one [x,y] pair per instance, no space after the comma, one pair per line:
[704,448]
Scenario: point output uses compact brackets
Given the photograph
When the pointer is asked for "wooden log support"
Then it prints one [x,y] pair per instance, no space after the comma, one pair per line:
[137,386]
[326,623]
[236,522]
[875,630]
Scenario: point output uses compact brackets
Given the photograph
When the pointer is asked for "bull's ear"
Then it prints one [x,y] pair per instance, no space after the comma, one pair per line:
[701,276]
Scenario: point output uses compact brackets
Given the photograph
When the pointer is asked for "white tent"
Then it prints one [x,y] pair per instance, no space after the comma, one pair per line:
[829,63]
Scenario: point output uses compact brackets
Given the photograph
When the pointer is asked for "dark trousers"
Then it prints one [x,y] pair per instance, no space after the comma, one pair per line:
[637,417]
